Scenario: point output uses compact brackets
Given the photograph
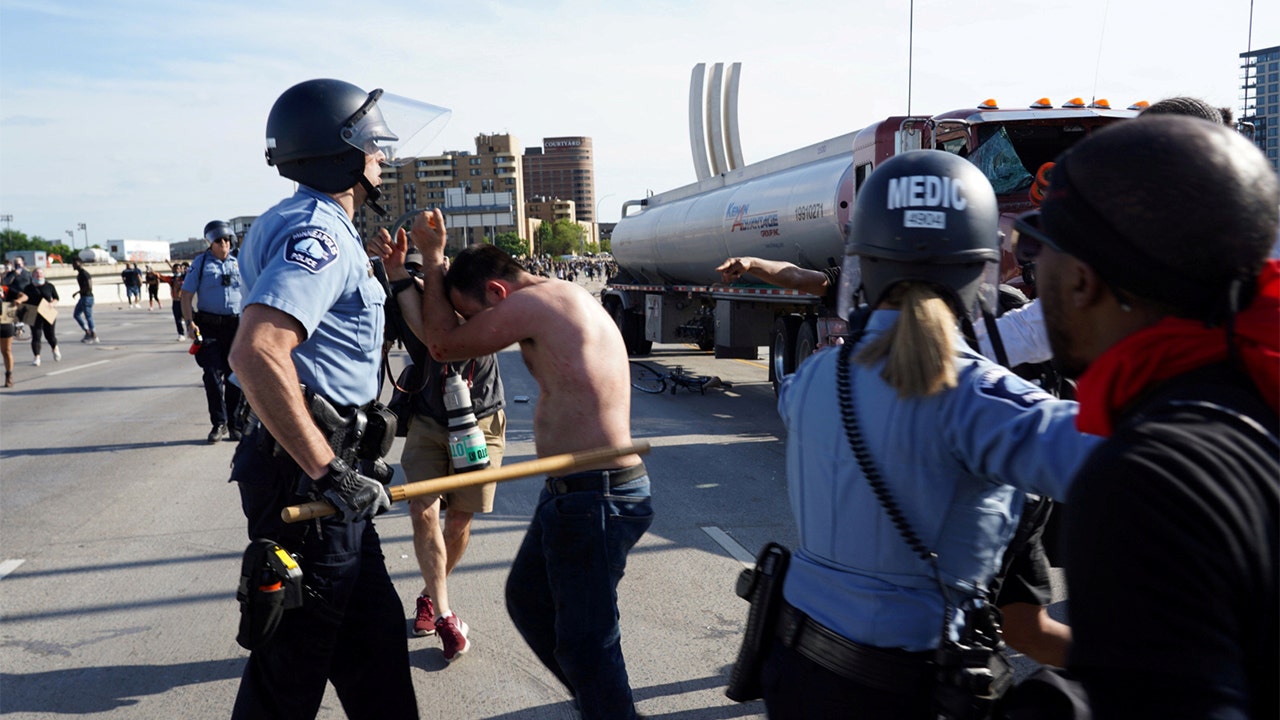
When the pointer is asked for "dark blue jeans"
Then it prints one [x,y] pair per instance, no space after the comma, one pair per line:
[83,313]
[350,630]
[562,592]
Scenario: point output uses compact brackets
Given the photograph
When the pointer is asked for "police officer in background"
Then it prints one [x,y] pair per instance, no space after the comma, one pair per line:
[307,357]
[900,540]
[214,282]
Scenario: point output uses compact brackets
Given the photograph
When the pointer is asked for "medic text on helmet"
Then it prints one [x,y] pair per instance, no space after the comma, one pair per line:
[924,191]
[765,222]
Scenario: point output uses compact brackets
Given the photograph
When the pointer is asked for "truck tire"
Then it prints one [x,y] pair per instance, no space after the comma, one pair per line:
[782,344]
[631,326]
[806,341]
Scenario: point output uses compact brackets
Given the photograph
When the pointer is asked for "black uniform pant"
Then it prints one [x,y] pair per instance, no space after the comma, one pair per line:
[221,394]
[39,328]
[350,630]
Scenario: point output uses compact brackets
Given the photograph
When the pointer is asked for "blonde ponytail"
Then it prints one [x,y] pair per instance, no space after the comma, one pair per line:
[919,350]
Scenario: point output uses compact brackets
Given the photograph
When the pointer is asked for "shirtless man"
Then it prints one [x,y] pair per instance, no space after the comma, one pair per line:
[562,590]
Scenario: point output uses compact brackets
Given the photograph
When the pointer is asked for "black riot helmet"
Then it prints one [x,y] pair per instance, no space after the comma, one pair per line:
[217,229]
[319,132]
[926,216]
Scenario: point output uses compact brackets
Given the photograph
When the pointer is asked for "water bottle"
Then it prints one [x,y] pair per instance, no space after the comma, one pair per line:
[467,448]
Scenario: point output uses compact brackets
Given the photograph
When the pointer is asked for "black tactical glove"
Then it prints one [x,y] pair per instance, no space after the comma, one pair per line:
[353,495]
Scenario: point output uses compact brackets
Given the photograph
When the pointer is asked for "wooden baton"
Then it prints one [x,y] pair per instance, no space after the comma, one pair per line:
[564,463]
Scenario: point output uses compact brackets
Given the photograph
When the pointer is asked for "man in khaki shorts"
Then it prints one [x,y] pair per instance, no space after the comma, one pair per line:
[439,545]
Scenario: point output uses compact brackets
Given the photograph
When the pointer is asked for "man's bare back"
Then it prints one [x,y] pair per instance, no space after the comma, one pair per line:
[573,349]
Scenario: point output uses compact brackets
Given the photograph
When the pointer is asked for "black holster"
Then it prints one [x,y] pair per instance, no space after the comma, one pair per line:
[270,583]
[762,587]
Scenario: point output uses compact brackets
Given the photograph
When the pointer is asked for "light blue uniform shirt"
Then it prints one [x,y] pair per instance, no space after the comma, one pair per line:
[303,257]
[205,280]
[958,463]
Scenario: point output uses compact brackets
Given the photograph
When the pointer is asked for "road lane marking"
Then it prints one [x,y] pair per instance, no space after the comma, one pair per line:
[9,566]
[730,545]
[78,367]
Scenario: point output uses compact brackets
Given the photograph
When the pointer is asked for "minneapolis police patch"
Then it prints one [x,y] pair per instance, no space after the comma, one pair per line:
[1003,385]
[311,249]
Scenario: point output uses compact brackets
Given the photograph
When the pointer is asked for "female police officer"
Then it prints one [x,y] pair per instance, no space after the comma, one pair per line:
[900,539]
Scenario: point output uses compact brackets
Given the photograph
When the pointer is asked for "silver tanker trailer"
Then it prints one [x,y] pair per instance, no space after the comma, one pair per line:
[795,207]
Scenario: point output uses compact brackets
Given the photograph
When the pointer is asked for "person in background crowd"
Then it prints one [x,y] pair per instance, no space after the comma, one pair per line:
[42,290]
[903,433]
[1151,262]
[178,274]
[153,289]
[14,298]
[83,313]
[213,317]
[132,278]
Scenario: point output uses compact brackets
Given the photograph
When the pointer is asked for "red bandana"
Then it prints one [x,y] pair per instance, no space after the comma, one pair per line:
[1175,346]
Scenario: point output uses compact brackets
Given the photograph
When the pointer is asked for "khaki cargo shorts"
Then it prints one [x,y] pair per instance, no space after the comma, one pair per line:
[426,456]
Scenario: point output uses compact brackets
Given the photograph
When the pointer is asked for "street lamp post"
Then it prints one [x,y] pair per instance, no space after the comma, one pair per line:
[71,234]
[597,217]
[85,228]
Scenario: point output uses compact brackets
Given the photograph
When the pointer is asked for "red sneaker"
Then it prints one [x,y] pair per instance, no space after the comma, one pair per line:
[424,623]
[453,633]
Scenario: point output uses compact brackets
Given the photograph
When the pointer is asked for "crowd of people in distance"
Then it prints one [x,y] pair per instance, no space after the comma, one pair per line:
[574,269]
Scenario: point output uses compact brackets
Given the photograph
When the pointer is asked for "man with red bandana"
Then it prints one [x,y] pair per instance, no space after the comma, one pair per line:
[1151,253]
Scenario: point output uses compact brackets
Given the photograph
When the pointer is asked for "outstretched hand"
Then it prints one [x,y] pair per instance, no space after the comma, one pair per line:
[732,269]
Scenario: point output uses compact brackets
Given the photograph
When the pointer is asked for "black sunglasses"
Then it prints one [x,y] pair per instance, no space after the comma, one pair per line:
[1029,238]
[223,239]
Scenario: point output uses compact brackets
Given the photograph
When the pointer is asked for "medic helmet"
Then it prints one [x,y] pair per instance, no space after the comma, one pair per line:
[218,229]
[927,216]
[319,132]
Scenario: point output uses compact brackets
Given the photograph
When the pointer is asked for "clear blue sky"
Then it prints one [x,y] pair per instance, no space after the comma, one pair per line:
[144,118]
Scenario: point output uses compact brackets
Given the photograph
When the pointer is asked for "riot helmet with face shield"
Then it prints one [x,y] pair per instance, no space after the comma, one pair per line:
[320,132]
[924,216]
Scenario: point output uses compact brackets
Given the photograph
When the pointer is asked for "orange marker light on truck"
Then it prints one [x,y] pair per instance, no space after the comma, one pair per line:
[1074,103]
[988,104]
[1041,104]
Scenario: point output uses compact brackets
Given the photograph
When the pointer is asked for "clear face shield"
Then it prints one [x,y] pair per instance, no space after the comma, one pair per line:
[397,126]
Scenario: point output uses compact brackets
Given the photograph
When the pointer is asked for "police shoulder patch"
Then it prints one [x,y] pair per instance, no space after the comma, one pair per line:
[311,248]
[1001,384]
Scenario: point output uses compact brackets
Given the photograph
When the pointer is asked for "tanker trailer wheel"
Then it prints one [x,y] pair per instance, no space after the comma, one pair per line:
[782,343]
[806,341]
[631,325]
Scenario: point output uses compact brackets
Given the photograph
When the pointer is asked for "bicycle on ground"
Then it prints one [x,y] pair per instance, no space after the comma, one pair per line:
[654,380]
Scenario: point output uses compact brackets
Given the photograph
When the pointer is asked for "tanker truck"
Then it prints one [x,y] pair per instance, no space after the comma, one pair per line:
[795,207]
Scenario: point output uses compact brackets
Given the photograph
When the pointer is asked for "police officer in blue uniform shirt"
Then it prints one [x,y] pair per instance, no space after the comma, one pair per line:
[307,358]
[900,541]
[214,282]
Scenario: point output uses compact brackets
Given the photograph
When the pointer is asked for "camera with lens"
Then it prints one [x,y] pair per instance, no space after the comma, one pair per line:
[226,280]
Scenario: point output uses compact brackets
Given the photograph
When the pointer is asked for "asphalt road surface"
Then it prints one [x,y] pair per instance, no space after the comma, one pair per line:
[120,542]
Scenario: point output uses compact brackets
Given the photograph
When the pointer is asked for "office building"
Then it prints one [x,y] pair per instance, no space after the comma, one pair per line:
[563,168]
[1260,94]
[479,192]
